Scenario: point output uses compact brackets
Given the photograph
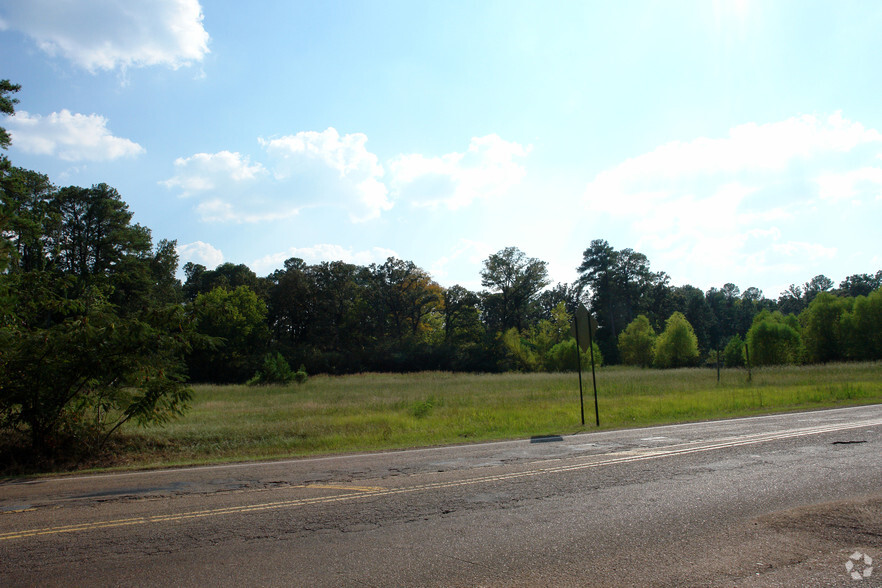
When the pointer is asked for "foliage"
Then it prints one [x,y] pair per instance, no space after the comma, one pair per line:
[515,281]
[636,342]
[677,346]
[621,286]
[236,318]
[92,333]
[862,327]
[773,339]
[562,357]
[522,354]
[277,371]
[822,336]
[733,354]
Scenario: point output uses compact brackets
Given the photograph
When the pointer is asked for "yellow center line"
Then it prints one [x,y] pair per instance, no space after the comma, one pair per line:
[356,492]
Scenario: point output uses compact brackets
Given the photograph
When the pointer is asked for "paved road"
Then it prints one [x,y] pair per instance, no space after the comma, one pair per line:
[780,500]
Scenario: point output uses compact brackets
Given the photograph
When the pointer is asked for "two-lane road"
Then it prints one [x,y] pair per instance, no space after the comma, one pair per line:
[779,500]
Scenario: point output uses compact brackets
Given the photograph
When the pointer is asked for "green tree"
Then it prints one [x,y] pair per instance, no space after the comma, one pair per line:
[93,335]
[636,342]
[862,328]
[860,284]
[620,285]
[562,357]
[237,319]
[462,317]
[773,339]
[7,107]
[515,281]
[73,370]
[733,354]
[677,346]
[822,335]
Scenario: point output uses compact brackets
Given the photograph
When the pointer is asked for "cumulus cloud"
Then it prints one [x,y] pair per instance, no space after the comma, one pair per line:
[205,172]
[322,252]
[338,168]
[697,202]
[201,253]
[111,34]
[71,137]
[322,169]
[486,169]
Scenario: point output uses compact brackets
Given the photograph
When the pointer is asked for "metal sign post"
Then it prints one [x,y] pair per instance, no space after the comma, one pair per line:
[579,366]
[584,325]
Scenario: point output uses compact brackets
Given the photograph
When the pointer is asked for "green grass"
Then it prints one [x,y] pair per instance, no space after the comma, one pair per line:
[383,411]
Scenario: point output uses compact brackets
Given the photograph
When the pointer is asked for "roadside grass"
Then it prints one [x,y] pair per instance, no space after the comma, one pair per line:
[370,412]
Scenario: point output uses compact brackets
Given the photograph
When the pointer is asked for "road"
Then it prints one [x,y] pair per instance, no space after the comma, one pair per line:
[780,500]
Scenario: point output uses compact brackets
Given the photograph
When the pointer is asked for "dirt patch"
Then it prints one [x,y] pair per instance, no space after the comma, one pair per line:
[811,546]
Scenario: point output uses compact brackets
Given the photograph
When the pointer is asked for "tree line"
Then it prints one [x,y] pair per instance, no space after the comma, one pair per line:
[96,330]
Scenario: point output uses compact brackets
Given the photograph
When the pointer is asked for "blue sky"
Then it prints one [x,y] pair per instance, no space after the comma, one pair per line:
[731,141]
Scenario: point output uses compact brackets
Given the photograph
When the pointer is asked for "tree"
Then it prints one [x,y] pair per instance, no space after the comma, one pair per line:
[773,339]
[7,107]
[515,280]
[733,354]
[620,286]
[562,357]
[862,327]
[693,304]
[677,346]
[74,369]
[237,319]
[860,284]
[822,335]
[791,301]
[288,302]
[405,295]
[93,335]
[462,320]
[636,342]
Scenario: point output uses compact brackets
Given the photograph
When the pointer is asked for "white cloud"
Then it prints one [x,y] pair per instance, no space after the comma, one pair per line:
[486,169]
[202,253]
[218,211]
[322,252]
[851,184]
[761,151]
[704,205]
[71,137]
[312,169]
[111,34]
[208,171]
[338,169]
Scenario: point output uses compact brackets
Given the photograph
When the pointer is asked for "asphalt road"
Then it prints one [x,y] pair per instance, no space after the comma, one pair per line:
[771,501]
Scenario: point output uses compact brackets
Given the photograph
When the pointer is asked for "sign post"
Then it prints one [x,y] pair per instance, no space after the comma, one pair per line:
[583,326]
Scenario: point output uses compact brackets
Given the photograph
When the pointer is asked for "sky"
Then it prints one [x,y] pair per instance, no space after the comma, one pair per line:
[728,141]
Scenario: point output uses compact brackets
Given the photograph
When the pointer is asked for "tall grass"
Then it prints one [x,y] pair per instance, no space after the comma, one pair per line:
[384,411]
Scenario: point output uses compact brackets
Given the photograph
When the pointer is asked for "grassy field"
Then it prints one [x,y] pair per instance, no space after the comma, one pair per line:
[383,411]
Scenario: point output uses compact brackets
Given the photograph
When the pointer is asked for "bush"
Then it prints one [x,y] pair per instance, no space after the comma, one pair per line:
[636,342]
[774,339]
[276,371]
[560,358]
[733,354]
[677,346]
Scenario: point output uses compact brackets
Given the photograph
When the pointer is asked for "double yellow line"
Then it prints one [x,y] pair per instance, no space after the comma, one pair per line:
[356,492]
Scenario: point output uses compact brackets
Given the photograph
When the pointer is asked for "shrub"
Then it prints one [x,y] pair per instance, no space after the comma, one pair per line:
[636,342]
[275,371]
[677,346]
